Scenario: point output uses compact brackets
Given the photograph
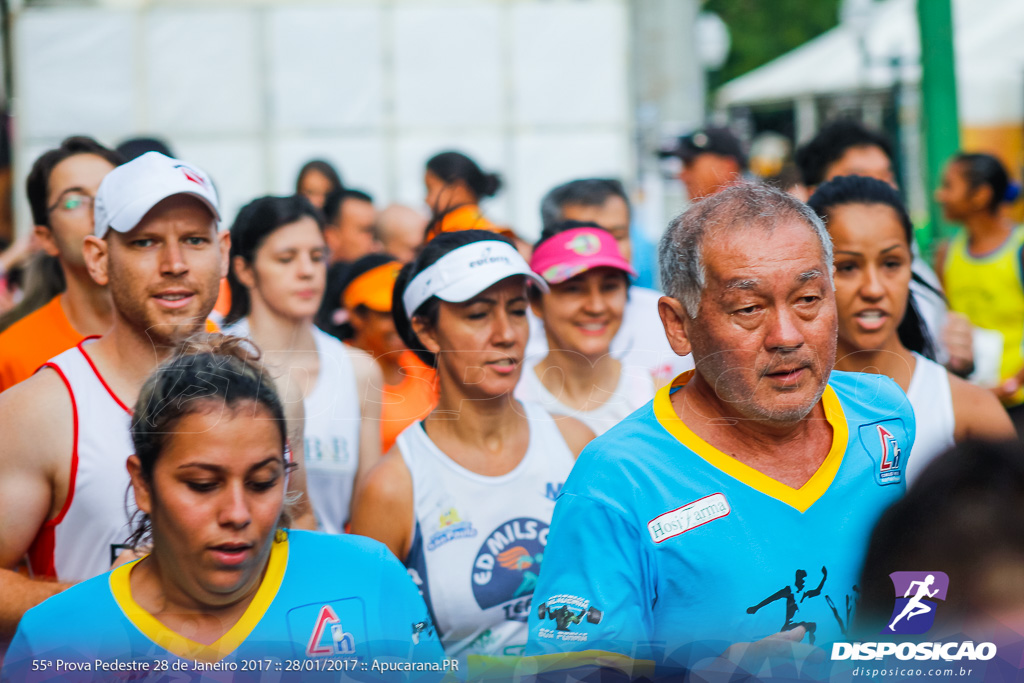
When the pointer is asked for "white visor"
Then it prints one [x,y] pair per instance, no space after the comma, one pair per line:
[465,272]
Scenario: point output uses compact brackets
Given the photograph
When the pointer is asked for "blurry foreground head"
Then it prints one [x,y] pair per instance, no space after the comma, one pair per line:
[960,517]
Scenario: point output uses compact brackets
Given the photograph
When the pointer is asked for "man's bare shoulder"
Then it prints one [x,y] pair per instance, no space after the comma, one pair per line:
[36,416]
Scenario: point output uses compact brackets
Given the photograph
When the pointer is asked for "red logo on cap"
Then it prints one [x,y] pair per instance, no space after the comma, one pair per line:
[193,176]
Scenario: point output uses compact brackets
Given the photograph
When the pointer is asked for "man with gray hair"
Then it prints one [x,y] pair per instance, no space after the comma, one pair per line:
[737,505]
[639,343]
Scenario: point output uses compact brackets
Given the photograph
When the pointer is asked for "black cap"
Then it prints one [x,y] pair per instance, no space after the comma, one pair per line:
[719,141]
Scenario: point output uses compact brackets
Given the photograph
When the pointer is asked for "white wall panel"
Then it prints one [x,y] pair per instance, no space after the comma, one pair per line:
[250,90]
[203,71]
[448,66]
[326,68]
[75,72]
[569,63]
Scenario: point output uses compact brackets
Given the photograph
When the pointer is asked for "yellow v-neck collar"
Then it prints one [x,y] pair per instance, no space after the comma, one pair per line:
[800,499]
[186,648]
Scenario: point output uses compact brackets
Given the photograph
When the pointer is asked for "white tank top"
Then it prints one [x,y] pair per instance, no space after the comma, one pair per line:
[479,541]
[330,431]
[332,434]
[635,388]
[930,395]
[90,531]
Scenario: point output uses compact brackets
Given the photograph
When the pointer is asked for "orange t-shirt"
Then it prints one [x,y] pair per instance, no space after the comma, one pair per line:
[410,400]
[33,340]
[38,337]
[466,217]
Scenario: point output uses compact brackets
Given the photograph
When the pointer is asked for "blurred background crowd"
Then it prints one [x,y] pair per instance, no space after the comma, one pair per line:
[538,92]
[403,119]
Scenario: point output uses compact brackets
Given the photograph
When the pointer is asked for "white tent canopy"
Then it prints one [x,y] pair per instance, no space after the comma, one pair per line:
[989,61]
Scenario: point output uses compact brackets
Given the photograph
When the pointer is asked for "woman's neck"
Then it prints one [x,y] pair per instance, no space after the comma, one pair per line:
[987,231]
[179,611]
[894,360]
[488,436]
[273,332]
[579,381]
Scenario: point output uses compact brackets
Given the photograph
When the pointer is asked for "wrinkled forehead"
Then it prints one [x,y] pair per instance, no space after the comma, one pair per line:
[786,249]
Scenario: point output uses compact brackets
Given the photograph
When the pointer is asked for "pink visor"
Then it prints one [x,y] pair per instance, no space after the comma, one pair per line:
[576,251]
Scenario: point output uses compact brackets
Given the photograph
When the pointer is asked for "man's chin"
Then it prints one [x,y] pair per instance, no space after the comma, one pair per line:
[789,405]
[172,333]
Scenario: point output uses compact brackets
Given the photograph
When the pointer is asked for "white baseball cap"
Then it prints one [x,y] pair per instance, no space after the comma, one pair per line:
[129,191]
[466,271]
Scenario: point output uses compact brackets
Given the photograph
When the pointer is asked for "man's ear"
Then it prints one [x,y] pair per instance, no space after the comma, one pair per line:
[674,319]
[143,496]
[332,236]
[427,335]
[44,235]
[224,242]
[96,253]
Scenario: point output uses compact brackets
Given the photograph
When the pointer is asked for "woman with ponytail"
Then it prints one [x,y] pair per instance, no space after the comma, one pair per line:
[880,330]
[455,187]
[277,275]
[465,497]
[981,270]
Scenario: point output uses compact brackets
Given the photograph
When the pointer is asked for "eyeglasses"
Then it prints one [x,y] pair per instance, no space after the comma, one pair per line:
[73,201]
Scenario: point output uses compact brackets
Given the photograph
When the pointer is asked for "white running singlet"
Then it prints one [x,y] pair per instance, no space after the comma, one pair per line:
[88,534]
[330,430]
[479,541]
[932,399]
[634,389]
[331,434]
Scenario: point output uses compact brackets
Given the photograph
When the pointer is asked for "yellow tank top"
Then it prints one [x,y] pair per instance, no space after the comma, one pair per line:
[989,290]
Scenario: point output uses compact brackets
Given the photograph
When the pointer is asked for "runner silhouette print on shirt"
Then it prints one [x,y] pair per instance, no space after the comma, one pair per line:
[790,593]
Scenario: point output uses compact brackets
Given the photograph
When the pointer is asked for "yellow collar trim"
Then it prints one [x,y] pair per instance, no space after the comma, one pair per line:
[186,648]
[801,499]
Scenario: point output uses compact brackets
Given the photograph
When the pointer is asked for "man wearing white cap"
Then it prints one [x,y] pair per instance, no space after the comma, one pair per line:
[63,480]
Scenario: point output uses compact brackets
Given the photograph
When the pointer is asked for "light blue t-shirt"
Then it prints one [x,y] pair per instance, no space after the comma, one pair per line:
[664,548]
[327,606]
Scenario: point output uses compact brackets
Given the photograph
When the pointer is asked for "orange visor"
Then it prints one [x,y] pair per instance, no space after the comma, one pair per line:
[372,289]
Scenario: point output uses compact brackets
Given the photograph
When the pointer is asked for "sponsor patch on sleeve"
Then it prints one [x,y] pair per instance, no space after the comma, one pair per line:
[884,442]
[688,517]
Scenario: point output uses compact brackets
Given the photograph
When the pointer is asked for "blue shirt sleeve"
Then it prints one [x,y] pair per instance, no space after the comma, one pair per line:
[17,663]
[596,588]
